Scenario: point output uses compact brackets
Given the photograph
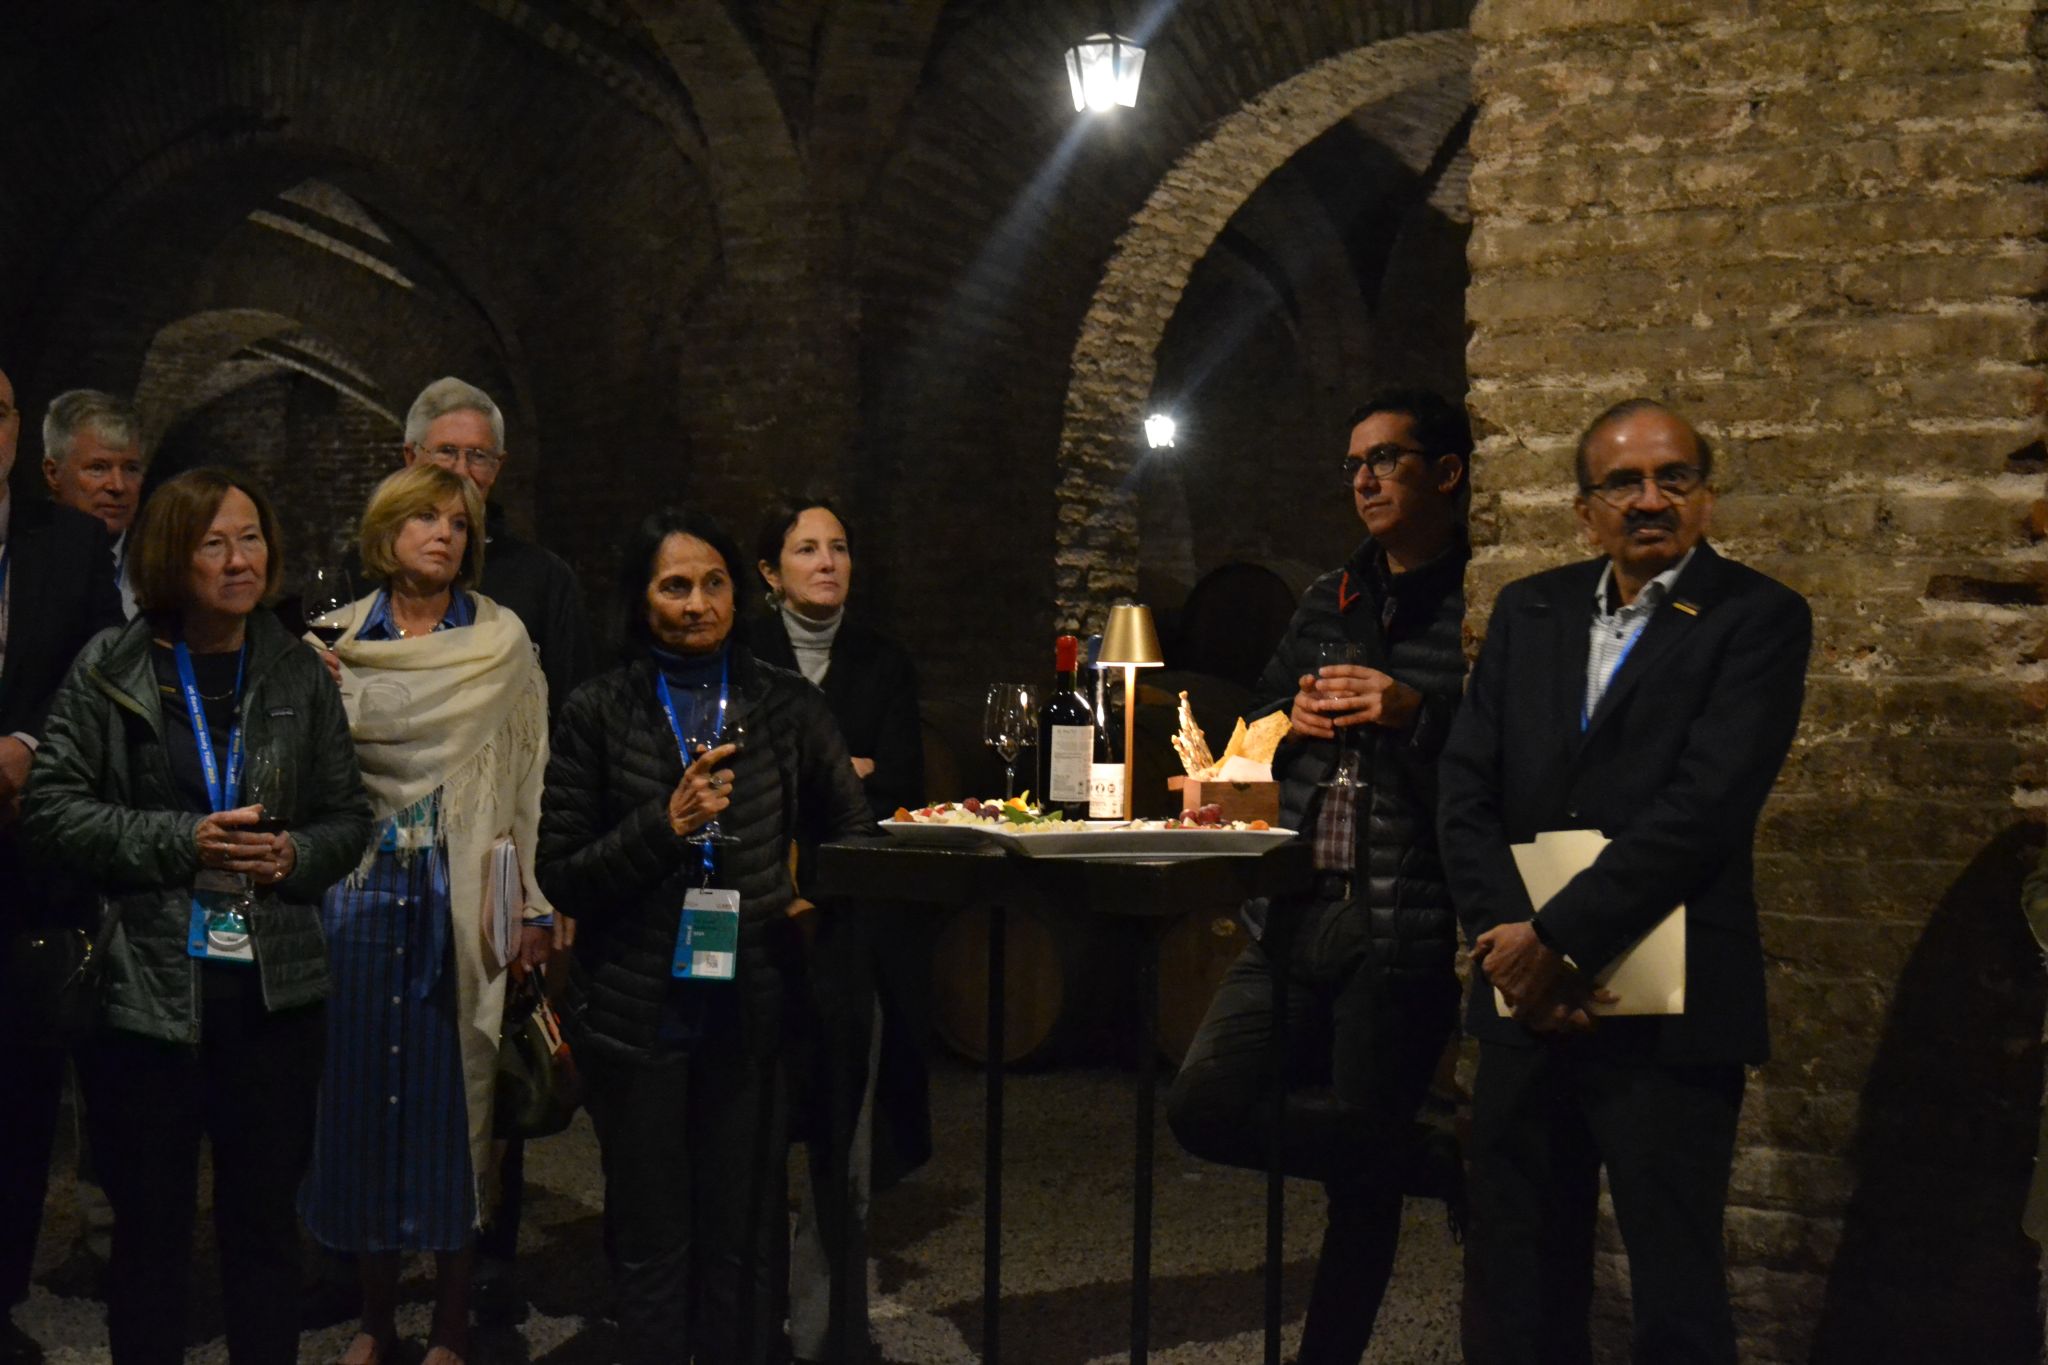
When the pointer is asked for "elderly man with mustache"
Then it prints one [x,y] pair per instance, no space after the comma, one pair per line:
[1651,694]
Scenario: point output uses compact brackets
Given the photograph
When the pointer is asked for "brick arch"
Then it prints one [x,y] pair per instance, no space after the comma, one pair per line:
[202,357]
[1110,378]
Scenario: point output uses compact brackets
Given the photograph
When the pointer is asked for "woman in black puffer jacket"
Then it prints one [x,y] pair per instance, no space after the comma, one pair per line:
[684,1074]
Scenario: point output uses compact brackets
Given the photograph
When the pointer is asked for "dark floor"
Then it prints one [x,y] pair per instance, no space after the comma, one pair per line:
[1067,1247]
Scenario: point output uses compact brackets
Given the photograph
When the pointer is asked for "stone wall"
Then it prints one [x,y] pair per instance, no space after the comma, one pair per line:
[1818,228]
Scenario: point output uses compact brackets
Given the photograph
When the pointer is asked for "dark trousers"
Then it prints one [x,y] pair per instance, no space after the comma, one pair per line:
[249,1089]
[1544,1121]
[498,1239]
[695,1147]
[1361,1046]
[35,1076]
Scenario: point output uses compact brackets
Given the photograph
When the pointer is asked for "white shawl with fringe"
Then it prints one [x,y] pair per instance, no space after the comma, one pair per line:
[463,712]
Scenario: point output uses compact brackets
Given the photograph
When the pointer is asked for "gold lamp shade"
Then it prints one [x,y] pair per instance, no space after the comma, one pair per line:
[1129,638]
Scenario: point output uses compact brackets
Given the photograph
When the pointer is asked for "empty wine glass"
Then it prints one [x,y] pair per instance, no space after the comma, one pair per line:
[1009,725]
[329,601]
[710,735]
[1346,771]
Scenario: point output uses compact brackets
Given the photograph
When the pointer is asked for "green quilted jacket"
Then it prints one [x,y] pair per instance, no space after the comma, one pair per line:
[102,803]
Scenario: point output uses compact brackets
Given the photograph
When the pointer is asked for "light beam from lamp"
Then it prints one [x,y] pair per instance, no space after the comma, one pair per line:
[1130,642]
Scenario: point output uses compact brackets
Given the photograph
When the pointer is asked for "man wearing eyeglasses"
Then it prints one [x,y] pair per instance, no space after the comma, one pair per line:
[1651,694]
[459,427]
[1369,674]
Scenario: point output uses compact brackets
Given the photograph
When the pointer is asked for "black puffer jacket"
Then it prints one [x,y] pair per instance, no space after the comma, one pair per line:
[1417,640]
[608,858]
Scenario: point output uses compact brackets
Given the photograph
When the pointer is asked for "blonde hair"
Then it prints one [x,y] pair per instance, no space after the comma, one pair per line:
[420,487]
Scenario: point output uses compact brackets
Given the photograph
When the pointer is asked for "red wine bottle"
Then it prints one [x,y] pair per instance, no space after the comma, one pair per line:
[1066,736]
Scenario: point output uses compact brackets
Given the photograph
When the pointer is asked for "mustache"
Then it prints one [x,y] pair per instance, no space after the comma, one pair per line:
[1636,519]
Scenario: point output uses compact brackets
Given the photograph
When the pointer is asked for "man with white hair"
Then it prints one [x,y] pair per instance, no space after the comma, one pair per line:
[457,426]
[92,460]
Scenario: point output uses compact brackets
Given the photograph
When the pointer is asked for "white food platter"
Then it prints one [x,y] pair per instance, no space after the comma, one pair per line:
[1094,839]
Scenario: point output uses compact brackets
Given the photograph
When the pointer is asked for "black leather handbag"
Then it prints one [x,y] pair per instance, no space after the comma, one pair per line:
[538,1086]
[50,985]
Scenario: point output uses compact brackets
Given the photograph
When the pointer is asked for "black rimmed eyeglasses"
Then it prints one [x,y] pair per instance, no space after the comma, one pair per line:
[1380,459]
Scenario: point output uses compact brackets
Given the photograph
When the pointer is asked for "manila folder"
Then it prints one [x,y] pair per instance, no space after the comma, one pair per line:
[1648,976]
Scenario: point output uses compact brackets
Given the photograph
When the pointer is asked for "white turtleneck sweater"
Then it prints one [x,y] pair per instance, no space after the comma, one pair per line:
[812,641]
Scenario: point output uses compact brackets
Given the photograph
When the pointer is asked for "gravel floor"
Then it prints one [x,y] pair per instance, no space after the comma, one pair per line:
[1066,1268]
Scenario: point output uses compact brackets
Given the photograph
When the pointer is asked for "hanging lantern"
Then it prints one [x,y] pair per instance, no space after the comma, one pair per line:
[1103,70]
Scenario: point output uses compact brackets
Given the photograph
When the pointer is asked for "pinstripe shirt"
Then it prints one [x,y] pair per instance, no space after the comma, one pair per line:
[1616,628]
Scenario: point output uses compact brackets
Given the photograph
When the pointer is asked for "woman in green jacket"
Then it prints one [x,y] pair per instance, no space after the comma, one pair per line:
[197,771]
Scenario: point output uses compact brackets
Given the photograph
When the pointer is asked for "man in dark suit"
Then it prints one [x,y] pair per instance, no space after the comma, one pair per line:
[56,591]
[1651,694]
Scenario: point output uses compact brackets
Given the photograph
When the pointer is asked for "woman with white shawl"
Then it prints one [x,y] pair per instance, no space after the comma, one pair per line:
[448,710]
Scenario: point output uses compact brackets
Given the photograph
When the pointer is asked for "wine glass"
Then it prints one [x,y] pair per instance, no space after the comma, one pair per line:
[270,779]
[329,600]
[1009,725]
[1346,772]
[710,734]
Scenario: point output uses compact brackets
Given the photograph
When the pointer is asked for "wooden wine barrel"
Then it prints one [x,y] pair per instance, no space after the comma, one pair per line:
[1193,956]
[1066,977]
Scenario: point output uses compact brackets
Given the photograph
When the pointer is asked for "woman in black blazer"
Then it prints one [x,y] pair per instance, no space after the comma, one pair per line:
[869,971]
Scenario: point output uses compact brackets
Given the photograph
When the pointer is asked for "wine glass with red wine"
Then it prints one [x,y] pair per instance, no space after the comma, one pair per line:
[270,779]
[329,600]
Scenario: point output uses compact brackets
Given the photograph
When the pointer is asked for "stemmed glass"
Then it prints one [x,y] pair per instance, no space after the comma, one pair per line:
[269,779]
[329,601]
[1346,772]
[1009,724]
[709,736]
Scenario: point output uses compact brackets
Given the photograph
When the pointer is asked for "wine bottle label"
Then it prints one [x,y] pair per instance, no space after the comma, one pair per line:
[1071,752]
[1106,791]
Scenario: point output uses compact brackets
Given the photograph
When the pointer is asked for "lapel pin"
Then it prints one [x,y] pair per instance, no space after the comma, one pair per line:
[1688,608]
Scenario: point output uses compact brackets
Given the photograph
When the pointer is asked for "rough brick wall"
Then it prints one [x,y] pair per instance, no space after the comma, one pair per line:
[969,334]
[315,452]
[1818,228]
[540,187]
[1335,279]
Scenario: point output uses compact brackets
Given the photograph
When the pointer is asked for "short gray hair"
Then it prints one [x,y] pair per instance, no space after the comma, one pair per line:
[79,410]
[447,395]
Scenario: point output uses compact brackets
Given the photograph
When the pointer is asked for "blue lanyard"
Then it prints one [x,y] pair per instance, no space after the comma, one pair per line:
[221,790]
[668,704]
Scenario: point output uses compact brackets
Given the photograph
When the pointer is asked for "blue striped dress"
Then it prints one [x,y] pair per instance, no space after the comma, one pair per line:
[391,1169]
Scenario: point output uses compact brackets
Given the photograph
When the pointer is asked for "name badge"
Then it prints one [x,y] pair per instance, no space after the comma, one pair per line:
[218,931]
[708,938]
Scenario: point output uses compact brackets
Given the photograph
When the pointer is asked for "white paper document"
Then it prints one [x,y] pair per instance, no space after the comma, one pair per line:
[1649,975]
[504,904]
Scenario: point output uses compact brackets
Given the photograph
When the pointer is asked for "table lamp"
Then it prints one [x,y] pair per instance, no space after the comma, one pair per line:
[1130,642]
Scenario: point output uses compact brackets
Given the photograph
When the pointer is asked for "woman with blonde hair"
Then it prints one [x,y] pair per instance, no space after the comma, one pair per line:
[448,710]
